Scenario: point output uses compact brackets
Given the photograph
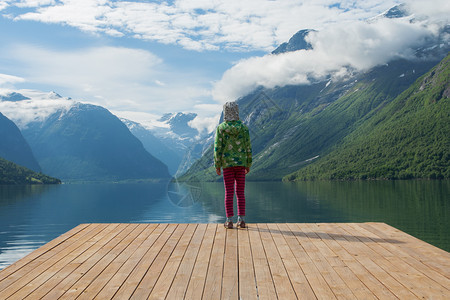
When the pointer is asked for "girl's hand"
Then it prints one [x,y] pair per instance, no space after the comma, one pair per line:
[218,171]
[247,170]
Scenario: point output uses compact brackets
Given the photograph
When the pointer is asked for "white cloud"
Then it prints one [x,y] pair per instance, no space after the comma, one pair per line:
[204,124]
[34,3]
[3,5]
[207,118]
[91,66]
[336,50]
[114,77]
[6,79]
[148,120]
[436,10]
[39,106]
[160,83]
[201,25]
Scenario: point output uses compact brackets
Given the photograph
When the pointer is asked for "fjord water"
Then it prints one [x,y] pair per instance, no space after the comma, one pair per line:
[31,216]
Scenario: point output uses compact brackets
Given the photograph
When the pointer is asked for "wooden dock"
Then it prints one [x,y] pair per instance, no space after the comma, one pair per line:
[206,261]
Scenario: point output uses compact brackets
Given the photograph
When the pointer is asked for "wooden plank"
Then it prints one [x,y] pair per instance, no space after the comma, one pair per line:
[353,283]
[145,287]
[415,281]
[129,286]
[338,243]
[402,254]
[44,249]
[33,261]
[152,232]
[361,253]
[247,285]
[181,281]
[30,276]
[283,286]
[94,244]
[167,276]
[112,250]
[334,281]
[435,258]
[86,261]
[419,245]
[53,275]
[332,250]
[264,280]
[230,276]
[296,240]
[143,230]
[213,283]
[297,277]
[198,276]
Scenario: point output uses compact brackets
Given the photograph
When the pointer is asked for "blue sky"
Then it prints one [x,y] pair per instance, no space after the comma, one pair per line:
[144,58]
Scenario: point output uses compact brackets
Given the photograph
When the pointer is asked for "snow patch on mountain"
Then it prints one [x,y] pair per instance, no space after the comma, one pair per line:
[26,106]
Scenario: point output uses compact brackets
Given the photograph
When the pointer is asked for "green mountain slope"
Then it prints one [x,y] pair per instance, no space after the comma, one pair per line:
[10,173]
[293,125]
[407,138]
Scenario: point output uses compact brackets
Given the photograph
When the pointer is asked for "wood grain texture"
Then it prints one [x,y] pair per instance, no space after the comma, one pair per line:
[207,261]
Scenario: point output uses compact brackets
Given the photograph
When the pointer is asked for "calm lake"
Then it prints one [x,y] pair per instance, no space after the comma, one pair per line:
[31,216]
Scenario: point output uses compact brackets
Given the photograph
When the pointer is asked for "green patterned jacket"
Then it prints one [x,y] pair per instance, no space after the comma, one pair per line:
[232,145]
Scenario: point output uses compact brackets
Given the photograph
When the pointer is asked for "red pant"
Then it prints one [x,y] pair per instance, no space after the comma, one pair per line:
[234,176]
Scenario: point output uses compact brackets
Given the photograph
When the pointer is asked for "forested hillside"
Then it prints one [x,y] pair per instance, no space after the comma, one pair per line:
[10,173]
[408,138]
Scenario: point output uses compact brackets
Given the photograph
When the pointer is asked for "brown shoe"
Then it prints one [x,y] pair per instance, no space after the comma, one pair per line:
[240,224]
[228,225]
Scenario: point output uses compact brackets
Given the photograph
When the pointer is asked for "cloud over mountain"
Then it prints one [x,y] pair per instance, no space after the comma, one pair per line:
[34,106]
[337,50]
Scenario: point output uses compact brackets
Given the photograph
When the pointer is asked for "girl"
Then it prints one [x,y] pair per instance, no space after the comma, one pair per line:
[233,153]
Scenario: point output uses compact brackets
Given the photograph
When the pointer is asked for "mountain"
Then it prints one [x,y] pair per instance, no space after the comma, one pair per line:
[11,173]
[81,142]
[89,143]
[296,42]
[13,146]
[155,146]
[13,97]
[179,124]
[292,126]
[187,139]
[408,138]
[296,125]
[172,140]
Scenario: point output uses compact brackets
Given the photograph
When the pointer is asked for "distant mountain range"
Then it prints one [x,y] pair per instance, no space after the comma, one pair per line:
[80,142]
[174,142]
[336,129]
[162,148]
[83,142]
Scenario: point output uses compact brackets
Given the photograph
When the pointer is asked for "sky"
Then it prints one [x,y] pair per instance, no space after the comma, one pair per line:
[141,59]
